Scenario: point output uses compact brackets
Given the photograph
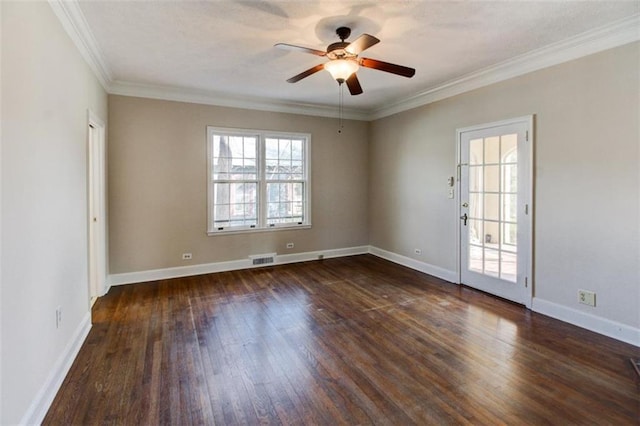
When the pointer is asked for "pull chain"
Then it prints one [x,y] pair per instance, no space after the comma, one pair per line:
[340,108]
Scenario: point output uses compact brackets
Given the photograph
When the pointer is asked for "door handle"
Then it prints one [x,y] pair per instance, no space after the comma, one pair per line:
[464,217]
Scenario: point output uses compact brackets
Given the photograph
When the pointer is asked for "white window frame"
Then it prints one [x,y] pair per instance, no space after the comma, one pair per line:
[262,202]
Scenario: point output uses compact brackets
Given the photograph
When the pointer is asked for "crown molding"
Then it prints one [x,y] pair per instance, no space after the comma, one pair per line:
[195,96]
[73,21]
[617,34]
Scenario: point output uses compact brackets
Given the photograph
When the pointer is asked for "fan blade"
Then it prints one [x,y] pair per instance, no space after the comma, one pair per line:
[387,67]
[354,85]
[286,46]
[306,73]
[362,43]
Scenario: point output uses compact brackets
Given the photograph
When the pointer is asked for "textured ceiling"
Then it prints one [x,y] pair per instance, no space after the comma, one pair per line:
[226,47]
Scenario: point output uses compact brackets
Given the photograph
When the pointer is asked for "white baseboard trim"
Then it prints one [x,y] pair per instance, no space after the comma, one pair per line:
[43,399]
[613,329]
[233,265]
[427,268]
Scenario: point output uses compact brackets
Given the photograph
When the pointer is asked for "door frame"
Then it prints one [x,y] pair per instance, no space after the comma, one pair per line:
[528,121]
[96,241]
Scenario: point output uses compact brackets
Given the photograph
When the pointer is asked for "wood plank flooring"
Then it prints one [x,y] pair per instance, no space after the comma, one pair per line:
[354,340]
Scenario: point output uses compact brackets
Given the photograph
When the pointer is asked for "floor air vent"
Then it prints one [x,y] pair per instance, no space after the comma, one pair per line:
[263,259]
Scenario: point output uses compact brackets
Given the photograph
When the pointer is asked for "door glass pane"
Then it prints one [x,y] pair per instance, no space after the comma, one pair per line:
[508,151]
[475,259]
[475,206]
[491,234]
[510,235]
[491,206]
[475,232]
[509,212]
[492,262]
[492,209]
[475,151]
[475,178]
[510,178]
[508,266]
[492,178]
[492,150]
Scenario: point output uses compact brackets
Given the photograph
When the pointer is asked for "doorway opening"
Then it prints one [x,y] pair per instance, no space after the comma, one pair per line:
[97,207]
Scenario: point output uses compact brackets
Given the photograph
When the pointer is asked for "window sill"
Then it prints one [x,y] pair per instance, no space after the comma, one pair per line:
[257,230]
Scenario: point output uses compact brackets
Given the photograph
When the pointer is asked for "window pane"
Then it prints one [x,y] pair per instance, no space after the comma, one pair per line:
[236,204]
[297,170]
[234,157]
[284,159]
[298,192]
[284,146]
[285,202]
[271,148]
[296,150]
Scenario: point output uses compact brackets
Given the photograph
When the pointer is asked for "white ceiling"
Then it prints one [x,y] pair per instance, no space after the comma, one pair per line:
[224,49]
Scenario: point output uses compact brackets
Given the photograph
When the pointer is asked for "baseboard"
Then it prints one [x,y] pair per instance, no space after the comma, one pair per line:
[208,268]
[41,403]
[427,268]
[613,329]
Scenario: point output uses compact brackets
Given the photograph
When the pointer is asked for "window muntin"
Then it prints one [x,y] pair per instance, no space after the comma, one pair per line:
[257,180]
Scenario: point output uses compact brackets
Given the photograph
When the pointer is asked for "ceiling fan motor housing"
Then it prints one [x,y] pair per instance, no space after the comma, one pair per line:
[337,51]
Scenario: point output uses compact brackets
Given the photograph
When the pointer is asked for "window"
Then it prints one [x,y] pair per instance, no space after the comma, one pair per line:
[257,180]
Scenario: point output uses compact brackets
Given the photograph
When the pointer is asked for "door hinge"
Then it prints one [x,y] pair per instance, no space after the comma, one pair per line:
[526,136]
[526,282]
[526,209]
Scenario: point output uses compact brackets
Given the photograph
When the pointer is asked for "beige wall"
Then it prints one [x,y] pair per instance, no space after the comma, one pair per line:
[158,184]
[46,90]
[587,185]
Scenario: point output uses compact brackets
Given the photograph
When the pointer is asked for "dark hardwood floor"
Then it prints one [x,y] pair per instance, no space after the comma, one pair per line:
[354,340]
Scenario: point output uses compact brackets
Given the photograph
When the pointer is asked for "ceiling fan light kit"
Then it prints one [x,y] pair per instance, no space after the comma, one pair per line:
[341,69]
[344,61]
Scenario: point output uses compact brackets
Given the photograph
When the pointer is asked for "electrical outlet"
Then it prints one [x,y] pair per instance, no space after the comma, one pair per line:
[587,297]
[58,316]
[417,251]
[187,256]
[289,245]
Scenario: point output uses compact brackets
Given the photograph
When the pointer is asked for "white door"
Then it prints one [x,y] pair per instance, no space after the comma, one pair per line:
[97,211]
[495,208]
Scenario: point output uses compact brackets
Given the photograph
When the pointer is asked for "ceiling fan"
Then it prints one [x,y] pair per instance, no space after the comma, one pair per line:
[344,60]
